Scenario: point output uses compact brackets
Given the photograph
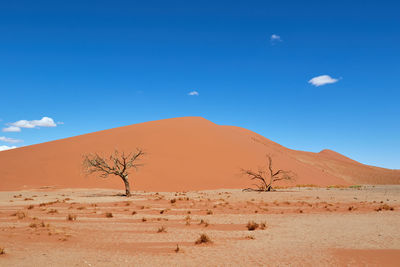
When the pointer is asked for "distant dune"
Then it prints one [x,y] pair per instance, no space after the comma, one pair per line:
[189,153]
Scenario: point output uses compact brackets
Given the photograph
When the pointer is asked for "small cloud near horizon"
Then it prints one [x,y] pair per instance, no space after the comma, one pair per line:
[322,80]
[2,148]
[43,122]
[193,93]
[9,140]
[275,38]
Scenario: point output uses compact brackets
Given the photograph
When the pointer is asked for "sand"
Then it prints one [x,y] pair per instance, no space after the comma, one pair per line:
[304,227]
[189,153]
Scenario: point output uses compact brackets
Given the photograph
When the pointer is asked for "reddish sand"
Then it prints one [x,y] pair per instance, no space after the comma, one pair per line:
[303,227]
[188,153]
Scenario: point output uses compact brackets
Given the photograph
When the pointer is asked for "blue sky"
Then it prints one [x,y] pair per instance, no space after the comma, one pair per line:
[92,65]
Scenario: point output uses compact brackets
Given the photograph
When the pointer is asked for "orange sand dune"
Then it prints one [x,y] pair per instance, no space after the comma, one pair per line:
[189,153]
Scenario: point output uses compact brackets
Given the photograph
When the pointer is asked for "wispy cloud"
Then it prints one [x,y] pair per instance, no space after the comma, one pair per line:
[322,80]
[7,147]
[193,93]
[43,122]
[275,38]
[9,140]
[11,129]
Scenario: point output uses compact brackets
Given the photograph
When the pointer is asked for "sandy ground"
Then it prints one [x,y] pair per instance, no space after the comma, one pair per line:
[303,227]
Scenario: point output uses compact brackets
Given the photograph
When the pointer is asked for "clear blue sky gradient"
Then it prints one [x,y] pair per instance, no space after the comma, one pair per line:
[96,65]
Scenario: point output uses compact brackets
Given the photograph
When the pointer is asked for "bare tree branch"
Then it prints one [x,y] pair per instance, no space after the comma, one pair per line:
[117,164]
[267,179]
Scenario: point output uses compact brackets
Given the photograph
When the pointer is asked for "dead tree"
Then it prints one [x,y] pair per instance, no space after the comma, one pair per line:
[116,164]
[266,177]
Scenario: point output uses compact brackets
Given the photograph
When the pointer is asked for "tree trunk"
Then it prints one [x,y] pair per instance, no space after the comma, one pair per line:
[127,187]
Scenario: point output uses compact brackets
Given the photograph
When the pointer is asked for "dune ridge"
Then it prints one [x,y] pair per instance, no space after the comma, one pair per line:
[189,153]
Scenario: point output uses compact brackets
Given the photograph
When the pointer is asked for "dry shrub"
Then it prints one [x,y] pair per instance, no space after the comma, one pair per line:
[30,207]
[209,212]
[251,225]
[33,225]
[203,239]
[250,237]
[71,217]
[2,251]
[109,215]
[172,201]
[177,248]
[263,225]
[19,214]
[81,208]
[162,229]
[144,219]
[134,212]
[52,211]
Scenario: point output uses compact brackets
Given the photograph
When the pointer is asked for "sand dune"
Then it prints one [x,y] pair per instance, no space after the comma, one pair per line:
[189,153]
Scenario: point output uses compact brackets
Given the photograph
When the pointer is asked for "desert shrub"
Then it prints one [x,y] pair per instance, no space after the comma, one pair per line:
[109,215]
[209,212]
[52,211]
[251,226]
[177,248]
[134,212]
[71,217]
[173,201]
[19,214]
[203,239]
[263,225]
[80,208]
[144,219]
[161,229]
[33,225]
[30,207]
[2,251]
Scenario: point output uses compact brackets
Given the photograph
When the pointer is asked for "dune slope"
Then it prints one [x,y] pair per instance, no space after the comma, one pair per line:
[189,153]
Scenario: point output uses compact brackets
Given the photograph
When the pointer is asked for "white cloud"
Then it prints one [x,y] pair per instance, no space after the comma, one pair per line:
[2,148]
[322,80]
[12,129]
[9,140]
[194,93]
[275,38]
[43,122]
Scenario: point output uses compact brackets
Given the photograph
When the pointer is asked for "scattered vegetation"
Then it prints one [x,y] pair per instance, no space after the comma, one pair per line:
[109,215]
[19,214]
[30,207]
[384,207]
[2,251]
[172,201]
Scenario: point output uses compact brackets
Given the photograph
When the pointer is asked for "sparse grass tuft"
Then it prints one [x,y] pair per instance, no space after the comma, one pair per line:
[203,239]
[250,237]
[251,226]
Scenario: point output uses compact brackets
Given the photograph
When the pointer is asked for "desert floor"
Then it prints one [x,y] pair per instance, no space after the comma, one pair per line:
[303,227]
